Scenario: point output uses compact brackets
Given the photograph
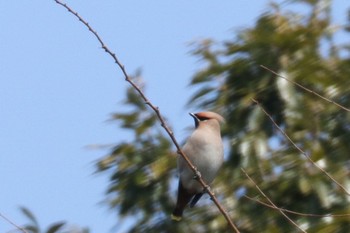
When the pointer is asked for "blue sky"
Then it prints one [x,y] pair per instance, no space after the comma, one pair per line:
[58,90]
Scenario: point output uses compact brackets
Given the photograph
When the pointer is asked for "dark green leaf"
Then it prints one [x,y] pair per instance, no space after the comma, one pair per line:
[55,227]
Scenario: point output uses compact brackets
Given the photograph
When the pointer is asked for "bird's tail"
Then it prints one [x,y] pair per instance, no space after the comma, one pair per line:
[183,198]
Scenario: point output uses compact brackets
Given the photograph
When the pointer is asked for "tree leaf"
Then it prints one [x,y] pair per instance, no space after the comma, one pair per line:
[55,227]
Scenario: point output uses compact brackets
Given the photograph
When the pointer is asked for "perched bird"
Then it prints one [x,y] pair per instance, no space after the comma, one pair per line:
[204,149]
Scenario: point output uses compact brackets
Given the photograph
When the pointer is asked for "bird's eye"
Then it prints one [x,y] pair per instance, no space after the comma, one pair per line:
[203,118]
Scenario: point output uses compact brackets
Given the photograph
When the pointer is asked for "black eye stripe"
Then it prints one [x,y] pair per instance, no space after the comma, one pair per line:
[203,118]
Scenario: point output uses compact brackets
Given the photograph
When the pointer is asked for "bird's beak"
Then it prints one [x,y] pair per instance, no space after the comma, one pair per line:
[193,115]
[196,120]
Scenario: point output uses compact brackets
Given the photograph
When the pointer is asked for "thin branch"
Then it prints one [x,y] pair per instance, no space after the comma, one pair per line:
[269,200]
[156,110]
[306,89]
[298,213]
[300,150]
[12,223]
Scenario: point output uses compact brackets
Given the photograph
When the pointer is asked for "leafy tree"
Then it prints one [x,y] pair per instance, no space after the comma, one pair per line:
[299,46]
[296,46]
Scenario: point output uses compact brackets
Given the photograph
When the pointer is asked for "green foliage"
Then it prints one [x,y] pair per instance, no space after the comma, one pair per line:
[300,47]
[139,167]
[58,227]
[34,225]
[295,46]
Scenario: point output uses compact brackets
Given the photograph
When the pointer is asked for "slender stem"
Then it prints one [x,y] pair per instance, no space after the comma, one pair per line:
[306,89]
[300,150]
[269,200]
[159,115]
[13,224]
[298,213]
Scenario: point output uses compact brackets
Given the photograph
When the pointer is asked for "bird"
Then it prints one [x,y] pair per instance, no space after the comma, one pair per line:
[204,148]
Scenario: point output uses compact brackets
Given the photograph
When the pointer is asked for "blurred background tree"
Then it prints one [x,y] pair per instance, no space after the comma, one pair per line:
[59,227]
[299,46]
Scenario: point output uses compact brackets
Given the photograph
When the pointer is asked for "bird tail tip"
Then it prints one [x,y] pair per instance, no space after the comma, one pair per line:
[176,218]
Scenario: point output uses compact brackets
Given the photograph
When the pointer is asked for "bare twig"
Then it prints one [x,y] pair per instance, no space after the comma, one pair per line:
[269,200]
[156,110]
[306,89]
[298,213]
[12,223]
[300,150]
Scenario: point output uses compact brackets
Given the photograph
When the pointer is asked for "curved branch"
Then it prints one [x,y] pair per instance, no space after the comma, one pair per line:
[156,110]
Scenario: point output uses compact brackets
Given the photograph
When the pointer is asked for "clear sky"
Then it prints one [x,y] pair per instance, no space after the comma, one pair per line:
[58,89]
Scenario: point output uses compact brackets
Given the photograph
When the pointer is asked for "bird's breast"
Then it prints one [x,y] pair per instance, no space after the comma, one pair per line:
[206,154]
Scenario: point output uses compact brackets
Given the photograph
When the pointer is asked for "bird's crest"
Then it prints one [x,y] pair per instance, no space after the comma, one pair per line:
[209,115]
